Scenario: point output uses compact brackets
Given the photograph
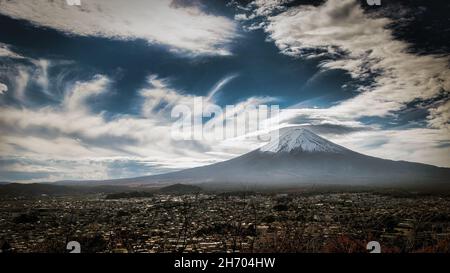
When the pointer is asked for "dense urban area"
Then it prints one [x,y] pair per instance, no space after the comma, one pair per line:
[226,222]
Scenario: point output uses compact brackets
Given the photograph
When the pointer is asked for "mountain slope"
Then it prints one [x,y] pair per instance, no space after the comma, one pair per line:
[299,157]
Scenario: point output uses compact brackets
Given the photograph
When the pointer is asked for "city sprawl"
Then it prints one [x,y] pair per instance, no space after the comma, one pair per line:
[227,222]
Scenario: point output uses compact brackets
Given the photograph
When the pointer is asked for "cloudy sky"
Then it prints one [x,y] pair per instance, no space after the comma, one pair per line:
[86,92]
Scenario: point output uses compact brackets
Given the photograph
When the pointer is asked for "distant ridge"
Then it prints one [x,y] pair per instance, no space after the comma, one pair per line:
[180,189]
[37,189]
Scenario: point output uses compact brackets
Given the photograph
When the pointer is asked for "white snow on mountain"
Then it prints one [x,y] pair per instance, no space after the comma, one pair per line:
[296,139]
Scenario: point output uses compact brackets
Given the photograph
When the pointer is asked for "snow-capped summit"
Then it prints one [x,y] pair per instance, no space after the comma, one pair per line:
[295,139]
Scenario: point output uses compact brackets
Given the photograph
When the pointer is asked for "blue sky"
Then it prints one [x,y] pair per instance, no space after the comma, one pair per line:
[86,91]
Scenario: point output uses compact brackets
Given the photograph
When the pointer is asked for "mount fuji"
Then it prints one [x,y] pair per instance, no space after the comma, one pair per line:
[298,157]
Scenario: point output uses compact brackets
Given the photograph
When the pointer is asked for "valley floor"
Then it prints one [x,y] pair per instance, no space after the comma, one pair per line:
[231,222]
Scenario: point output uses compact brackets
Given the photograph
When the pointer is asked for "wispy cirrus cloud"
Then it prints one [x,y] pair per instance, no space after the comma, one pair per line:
[220,85]
[431,146]
[6,52]
[183,28]
[3,88]
[439,116]
[42,142]
[69,133]
[347,38]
